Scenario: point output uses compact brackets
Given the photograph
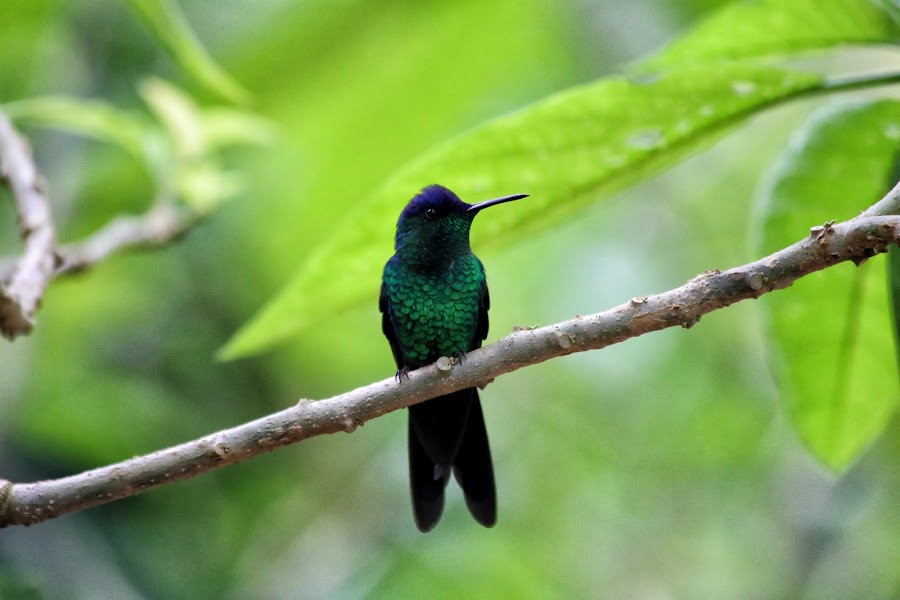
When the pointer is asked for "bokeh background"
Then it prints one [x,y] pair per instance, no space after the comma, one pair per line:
[659,468]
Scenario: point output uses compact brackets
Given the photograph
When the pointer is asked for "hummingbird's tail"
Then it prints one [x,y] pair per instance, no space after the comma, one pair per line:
[447,433]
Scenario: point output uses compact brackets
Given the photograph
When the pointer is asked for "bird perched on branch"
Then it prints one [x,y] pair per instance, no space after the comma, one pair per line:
[434,302]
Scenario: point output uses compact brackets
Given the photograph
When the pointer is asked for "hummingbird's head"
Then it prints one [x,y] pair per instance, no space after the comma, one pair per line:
[436,223]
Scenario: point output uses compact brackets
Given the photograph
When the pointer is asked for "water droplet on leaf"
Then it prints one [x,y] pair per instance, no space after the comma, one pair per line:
[646,140]
[743,88]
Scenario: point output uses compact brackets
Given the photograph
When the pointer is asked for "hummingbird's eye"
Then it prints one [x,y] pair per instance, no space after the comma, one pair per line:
[431,213]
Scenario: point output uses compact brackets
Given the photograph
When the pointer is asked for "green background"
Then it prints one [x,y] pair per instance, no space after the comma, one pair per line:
[663,467]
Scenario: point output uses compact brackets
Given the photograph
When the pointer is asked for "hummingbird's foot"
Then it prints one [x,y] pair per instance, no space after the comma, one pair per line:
[401,373]
[460,357]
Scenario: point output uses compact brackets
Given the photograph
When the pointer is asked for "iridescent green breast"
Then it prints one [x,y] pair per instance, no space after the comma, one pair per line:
[434,313]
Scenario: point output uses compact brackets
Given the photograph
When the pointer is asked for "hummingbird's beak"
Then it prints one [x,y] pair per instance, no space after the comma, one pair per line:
[477,207]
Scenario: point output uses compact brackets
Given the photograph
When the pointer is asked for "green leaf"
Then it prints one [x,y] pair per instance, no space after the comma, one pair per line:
[571,149]
[833,344]
[170,27]
[894,263]
[180,154]
[179,115]
[94,119]
[203,185]
[197,131]
[226,127]
[98,120]
[894,283]
[778,27]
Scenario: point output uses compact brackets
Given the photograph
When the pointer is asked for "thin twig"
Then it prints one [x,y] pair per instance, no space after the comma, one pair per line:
[21,293]
[158,226]
[24,279]
[854,240]
[161,224]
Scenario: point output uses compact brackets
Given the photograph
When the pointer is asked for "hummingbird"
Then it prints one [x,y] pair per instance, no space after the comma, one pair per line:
[434,302]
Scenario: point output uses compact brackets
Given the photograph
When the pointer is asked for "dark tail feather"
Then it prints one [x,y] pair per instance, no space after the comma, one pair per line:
[440,424]
[449,430]
[474,470]
[436,428]
[426,484]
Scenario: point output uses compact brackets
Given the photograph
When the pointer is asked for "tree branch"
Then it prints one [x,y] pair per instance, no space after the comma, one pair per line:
[24,279]
[854,240]
[161,224]
[20,295]
[889,205]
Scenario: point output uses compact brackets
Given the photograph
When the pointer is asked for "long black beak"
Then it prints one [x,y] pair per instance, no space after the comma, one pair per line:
[477,207]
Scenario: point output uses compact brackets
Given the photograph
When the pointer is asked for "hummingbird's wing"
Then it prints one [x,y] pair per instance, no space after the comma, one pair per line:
[481,329]
[387,327]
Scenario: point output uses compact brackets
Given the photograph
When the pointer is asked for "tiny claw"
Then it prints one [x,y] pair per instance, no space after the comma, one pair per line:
[460,357]
[401,373]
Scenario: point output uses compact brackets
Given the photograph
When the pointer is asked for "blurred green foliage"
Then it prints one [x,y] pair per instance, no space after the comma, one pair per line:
[573,148]
[583,144]
[780,28]
[661,467]
[170,28]
[833,337]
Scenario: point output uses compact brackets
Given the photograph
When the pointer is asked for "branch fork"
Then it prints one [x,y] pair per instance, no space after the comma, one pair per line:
[21,293]
[23,280]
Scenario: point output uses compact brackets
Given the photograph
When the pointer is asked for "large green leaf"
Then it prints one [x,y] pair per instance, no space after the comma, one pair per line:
[894,281]
[566,151]
[168,24]
[894,263]
[833,344]
[779,27]
[580,145]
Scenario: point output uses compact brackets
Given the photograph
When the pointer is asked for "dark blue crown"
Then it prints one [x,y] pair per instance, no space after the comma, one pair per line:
[437,197]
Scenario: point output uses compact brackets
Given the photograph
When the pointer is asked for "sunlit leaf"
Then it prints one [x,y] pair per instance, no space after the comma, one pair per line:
[197,130]
[196,133]
[204,185]
[178,113]
[571,149]
[168,24]
[225,127]
[833,345]
[779,27]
